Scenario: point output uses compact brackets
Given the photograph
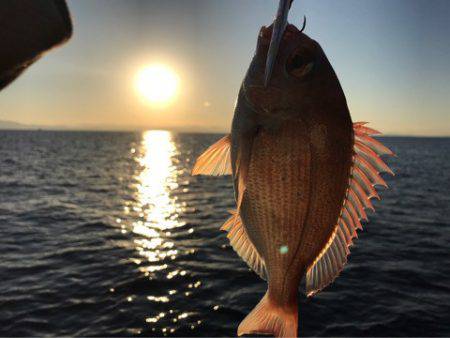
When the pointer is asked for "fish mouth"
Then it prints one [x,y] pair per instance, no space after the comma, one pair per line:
[265,33]
[278,30]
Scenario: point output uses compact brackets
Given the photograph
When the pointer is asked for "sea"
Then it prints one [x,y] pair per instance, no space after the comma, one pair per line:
[108,234]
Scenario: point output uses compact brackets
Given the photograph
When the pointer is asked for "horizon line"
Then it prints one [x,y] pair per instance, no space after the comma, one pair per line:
[173,130]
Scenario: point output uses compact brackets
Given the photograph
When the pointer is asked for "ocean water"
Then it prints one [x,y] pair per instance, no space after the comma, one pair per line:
[108,234]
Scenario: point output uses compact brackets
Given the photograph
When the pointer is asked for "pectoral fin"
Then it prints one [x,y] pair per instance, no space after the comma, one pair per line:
[243,245]
[216,160]
[365,174]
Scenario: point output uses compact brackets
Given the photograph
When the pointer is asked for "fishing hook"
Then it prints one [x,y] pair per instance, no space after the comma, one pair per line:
[304,24]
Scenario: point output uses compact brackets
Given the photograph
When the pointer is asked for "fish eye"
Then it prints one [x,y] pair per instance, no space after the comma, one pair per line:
[300,64]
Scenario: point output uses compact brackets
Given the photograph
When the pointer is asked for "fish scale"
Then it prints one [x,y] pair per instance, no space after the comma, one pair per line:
[273,207]
[285,206]
[329,182]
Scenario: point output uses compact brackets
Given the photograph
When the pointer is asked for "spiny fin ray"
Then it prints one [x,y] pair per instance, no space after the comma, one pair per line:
[216,160]
[364,175]
[243,245]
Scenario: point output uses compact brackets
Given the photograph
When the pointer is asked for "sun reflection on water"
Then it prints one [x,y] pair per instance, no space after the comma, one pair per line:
[156,208]
[155,214]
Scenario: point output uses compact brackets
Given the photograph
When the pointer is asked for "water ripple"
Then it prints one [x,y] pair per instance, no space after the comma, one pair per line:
[107,234]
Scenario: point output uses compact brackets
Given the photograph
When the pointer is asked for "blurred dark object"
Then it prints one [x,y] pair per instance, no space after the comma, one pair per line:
[27,29]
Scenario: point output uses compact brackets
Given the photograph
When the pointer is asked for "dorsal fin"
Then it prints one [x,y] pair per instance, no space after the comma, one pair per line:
[216,160]
[364,175]
[243,245]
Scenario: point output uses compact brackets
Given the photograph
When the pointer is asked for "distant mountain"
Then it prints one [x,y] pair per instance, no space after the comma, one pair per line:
[15,125]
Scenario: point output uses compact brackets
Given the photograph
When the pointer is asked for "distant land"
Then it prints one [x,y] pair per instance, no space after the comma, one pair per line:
[15,125]
[12,125]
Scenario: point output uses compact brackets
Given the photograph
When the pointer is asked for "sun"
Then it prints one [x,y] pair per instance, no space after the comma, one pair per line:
[157,84]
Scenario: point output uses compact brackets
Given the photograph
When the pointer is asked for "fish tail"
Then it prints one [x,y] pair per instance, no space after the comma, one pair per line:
[268,318]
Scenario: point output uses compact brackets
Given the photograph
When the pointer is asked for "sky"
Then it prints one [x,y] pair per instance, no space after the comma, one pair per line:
[391,56]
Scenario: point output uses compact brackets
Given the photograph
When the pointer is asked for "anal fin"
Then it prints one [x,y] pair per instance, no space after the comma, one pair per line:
[243,245]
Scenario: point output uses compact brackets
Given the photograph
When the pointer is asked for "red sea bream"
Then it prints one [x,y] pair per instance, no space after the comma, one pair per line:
[303,172]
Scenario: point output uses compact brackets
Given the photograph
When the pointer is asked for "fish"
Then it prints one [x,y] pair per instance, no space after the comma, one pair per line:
[303,172]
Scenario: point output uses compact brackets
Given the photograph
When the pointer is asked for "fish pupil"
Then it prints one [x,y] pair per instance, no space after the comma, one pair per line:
[297,62]
[300,64]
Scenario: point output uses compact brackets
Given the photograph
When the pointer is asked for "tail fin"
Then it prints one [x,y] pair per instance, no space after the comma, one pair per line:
[268,318]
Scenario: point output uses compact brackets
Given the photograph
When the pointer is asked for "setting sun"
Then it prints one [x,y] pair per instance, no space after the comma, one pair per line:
[157,84]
